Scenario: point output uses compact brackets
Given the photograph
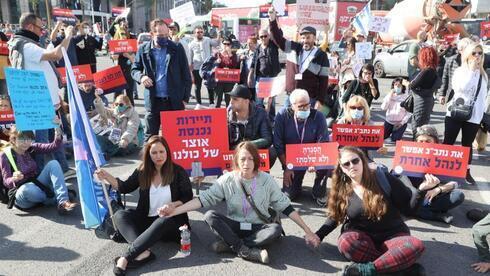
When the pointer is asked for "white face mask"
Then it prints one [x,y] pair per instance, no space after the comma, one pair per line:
[357,114]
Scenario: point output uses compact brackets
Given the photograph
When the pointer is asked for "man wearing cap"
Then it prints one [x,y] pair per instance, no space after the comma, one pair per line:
[306,65]
[248,122]
[161,66]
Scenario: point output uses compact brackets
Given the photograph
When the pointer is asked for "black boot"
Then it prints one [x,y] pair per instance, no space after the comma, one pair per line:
[469,179]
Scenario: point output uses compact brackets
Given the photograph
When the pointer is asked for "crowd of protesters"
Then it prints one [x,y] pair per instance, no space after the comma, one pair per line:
[364,196]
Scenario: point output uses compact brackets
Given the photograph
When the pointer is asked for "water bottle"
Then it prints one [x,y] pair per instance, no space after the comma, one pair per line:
[185,240]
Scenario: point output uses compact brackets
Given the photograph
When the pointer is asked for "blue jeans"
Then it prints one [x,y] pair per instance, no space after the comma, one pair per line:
[29,195]
[42,136]
[440,204]
[396,134]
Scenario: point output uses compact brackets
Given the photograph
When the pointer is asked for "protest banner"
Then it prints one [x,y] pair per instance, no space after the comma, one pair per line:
[356,68]
[4,49]
[183,14]
[370,137]
[319,155]
[264,10]
[364,50]
[83,73]
[247,28]
[117,46]
[485,30]
[264,164]
[110,80]
[30,98]
[417,159]
[450,38]
[215,21]
[342,13]
[117,11]
[7,119]
[379,24]
[197,135]
[227,75]
[333,74]
[64,15]
[312,13]
[270,87]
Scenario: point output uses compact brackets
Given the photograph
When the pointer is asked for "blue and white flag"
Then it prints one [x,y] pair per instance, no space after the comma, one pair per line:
[362,20]
[88,156]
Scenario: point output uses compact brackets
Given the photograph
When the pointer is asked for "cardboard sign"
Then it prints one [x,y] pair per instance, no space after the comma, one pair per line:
[7,119]
[264,11]
[110,80]
[183,14]
[4,49]
[118,46]
[379,24]
[264,164]
[30,98]
[270,87]
[450,38]
[215,21]
[83,73]
[362,136]
[443,161]
[364,50]
[319,155]
[197,135]
[227,75]
[64,15]
[485,30]
[312,13]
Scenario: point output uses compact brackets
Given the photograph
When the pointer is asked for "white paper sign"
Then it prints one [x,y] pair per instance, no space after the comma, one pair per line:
[364,50]
[183,14]
[356,68]
[279,6]
[312,13]
[379,24]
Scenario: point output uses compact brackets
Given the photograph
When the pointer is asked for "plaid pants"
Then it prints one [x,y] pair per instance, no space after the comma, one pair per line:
[395,254]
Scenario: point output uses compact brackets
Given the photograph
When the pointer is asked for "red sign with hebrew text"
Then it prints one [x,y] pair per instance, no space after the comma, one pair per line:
[4,49]
[358,135]
[318,155]
[83,73]
[118,46]
[110,80]
[227,75]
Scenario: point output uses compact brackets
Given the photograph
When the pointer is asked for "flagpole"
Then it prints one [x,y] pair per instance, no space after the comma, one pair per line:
[108,201]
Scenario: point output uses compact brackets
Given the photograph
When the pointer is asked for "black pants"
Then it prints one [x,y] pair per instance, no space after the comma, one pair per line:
[142,232]
[229,230]
[223,88]
[319,187]
[468,133]
[198,84]
[130,85]
[152,118]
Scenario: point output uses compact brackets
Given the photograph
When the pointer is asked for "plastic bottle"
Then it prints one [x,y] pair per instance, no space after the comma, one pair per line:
[185,240]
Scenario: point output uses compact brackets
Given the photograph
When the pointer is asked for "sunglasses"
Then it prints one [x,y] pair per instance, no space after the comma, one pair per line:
[263,36]
[477,53]
[119,104]
[356,107]
[354,162]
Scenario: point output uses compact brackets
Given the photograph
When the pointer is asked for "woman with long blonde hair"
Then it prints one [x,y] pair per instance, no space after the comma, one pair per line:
[367,202]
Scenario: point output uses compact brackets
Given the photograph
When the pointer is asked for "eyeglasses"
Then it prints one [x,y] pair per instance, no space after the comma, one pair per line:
[477,53]
[40,27]
[226,43]
[263,36]
[356,107]
[352,162]
[304,106]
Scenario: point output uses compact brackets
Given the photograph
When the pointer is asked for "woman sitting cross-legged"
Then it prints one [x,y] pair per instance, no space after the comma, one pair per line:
[161,182]
[368,203]
[243,231]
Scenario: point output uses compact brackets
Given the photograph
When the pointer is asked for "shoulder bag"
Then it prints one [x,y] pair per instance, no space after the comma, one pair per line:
[462,112]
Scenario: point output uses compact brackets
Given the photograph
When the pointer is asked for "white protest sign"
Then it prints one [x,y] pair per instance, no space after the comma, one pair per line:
[379,24]
[356,68]
[279,6]
[183,14]
[312,13]
[364,50]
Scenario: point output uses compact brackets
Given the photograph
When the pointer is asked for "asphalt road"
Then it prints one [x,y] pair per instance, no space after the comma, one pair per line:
[43,243]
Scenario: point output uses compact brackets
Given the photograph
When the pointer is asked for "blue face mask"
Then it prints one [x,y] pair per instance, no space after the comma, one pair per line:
[357,114]
[162,41]
[303,114]
[398,90]
[121,109]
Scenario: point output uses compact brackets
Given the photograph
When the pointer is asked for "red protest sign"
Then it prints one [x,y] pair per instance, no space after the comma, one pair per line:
[318,155]
[110,80]
[215,21]
[485,30]
[4,49]
[64,15]
[264,164]
[83,73]
[197,135]
[117,11]
[123,46]
[358,135]
[7,119]
[417,159]
[450,38]
[264,87]
[227,75]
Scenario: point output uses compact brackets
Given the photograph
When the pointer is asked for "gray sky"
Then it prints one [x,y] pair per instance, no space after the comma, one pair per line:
[239,3]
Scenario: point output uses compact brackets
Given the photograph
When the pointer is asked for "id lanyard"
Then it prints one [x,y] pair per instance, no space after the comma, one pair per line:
[245,205]
[302,136]
[301,62]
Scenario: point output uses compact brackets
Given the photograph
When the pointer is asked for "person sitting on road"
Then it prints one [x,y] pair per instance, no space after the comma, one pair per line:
[445,195]
[29,187]
[88,93]
[397,117]
[368,203]
[246,121]
[162,184]
[300,124]
[123,138]
[481,230]
[5,106]
[248,226]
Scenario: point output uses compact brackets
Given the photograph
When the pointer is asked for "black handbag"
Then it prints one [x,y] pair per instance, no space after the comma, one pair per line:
[485,122]
[460,111]
[408,103]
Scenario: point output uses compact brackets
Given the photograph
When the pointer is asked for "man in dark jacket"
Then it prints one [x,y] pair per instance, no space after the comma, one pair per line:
[162,67]
[86,46]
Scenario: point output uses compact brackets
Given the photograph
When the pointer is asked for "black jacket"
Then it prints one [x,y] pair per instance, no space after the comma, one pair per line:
[258,128]
[180,189]
[452,63]
[273,58]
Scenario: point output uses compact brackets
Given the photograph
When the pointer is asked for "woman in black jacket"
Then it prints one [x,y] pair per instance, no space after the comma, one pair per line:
[163,184]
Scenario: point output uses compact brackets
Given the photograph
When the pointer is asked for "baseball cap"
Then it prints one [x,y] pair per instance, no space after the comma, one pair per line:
[174,24]
[240,91]
[308,30]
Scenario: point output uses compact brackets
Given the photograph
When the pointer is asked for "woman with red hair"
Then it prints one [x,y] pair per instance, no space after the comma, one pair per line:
[423,87]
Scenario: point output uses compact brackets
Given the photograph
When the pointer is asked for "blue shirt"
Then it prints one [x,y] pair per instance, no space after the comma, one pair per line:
[160,56]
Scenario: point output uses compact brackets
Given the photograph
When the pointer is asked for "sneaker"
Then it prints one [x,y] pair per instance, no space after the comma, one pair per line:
[69,173]
[254,254]
[220,246]
[469,179]
[66,207]
[320,201]
[444,217]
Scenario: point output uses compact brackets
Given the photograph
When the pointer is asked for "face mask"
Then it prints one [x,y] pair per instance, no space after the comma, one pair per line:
[357,114]
[162,41]
[121,109]
[86,30]
[398,90]
[303,114]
